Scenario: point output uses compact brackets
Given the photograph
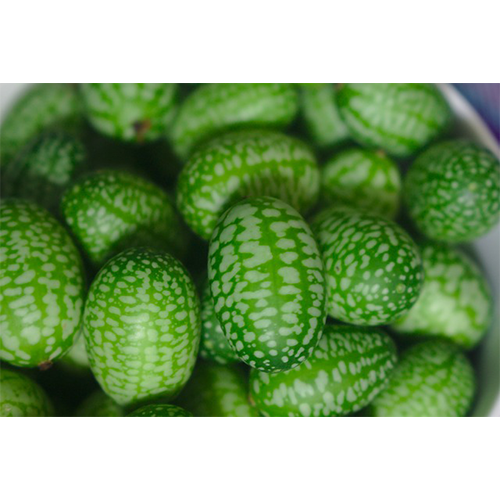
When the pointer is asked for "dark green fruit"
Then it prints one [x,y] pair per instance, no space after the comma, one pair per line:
[160,410]
[99,404]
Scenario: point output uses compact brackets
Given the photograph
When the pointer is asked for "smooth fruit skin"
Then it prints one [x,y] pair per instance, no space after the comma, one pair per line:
[132,112]
[215,108]
[455,302]
[41,286]
[99,404]
[373,268]
[267,282]
[400,118]
[452,191]
[142,326]
[22,397]
[432,379]
[160,410]
[350,366]
[242,164]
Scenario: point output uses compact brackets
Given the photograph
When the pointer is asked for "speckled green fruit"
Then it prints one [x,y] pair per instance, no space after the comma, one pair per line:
[159,410]
[142,326]
[433,379]
[43,106]
[242,164]
[43,170]
[399,118]
[350,366]
[215,108]
[98,404]
[41,286]
[373,268]
[110,211]
[267,282]
[455,302]
[452,191]
[217,391]
[136,112]
[363,179]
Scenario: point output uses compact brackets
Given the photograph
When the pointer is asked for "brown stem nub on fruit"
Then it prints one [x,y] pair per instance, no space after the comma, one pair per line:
[45,365]
[141,127]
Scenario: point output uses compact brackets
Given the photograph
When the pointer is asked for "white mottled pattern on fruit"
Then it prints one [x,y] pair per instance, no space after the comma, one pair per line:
[160,410]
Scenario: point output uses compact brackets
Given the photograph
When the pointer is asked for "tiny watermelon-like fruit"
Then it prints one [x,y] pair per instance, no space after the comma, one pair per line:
[41,286]
[242,164]
[350,366]
[455,302]
[160,410]
[400,118]
[362,179]
[99,404]
[452,191]
[214,345]
[267,282]
[142,326]
[22,397]
[215,108]
[373,268]
[44,169]
[110,211]
[432,379]
[217,391]
[132,112]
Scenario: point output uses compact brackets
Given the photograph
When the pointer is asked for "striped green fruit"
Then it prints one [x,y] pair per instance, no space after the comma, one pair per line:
[160,410]
[373,268]
[455,302]
[267,282]
[110,211]
[134,112]
[350,366]
[242,164]
[22,397]
[99,404]
[142,326]
[399,118]
[452,191]
[433,379]
[41,286]
[218,107]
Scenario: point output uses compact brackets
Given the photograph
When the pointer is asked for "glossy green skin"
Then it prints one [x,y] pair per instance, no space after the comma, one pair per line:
[217,391]
[215,108]
[400,118]
[42,106]
[99,404]
[22,397]
[109,211]
[267,282]
[455,302]
[132,112]
[374,269]
[142,326]
[159,410]
[41,286]
[452,191]
[350,366]
[44,169]
[433,379]
[238,165]
[363,179]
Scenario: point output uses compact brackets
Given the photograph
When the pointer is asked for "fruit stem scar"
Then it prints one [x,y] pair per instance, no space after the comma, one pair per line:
[141,127]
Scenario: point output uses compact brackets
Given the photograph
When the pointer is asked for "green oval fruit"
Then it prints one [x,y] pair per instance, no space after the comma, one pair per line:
[242,164]
[110,211]
[362,179]
[137,112]
[22,397]
[455,301]
[41,286]
[160,410]
[219,107]
[433,379]
[399,118]
[350,366]
[373,268]
[267,283]
[217,391]
[98,404]
[142,326]
[453,191]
